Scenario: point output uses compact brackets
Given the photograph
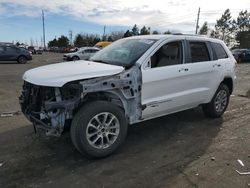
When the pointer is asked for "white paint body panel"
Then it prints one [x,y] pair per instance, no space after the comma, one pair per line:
[56,75]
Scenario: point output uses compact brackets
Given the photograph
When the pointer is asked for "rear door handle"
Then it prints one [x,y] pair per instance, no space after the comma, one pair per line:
[183,70]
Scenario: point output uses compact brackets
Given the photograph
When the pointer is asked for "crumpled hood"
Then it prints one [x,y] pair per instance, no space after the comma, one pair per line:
[56,75]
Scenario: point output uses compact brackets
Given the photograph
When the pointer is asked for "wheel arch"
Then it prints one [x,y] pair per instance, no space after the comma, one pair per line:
[228,81]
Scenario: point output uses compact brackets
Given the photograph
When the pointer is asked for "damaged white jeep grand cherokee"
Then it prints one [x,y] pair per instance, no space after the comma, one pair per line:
[132,80]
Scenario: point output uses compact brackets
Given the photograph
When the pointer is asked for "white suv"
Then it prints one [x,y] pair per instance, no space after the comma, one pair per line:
[132,80]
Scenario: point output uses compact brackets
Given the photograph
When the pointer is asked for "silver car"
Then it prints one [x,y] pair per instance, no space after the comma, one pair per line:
[83,53]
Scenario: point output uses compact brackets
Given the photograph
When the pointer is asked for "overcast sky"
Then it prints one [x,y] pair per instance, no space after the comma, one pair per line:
[21,19]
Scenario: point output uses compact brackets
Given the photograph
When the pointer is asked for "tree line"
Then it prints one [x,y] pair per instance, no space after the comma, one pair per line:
[234,32]
[85,39]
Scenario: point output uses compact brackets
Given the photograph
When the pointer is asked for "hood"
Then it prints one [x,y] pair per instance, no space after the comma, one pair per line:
[70,54]
[56,75]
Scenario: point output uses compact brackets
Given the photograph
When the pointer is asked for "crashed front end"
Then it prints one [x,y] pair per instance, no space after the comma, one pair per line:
[48,108]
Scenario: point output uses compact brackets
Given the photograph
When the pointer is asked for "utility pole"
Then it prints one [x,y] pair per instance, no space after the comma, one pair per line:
[104,33]
[197,23]
[44,46]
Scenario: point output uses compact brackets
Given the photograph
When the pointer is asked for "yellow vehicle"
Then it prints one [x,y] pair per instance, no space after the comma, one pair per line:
[102,44]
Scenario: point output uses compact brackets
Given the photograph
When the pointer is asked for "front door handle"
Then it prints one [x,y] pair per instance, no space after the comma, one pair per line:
[183,70]
[216,65]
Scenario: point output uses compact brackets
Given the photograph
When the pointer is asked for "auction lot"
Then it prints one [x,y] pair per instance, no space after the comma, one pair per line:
[180,150]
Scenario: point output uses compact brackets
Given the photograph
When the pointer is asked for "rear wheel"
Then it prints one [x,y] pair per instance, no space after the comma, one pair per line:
[219,103]
[98,129]
[22,59]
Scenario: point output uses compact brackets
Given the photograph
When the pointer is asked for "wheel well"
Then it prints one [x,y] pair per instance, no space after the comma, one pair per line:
[229,83]
[76,56]
[104,96]
[21,56]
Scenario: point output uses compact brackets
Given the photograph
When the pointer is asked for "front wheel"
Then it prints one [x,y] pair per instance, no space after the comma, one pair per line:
[218,104]
[75,58]
[98,129]
[22,60]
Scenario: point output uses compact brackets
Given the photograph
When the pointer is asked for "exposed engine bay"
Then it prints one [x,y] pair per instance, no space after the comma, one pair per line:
[49,108]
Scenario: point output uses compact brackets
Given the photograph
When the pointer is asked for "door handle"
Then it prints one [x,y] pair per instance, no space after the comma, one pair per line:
[183,70]
[216,65]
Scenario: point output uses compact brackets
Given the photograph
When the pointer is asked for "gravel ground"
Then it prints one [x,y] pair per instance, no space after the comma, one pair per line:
[180,150]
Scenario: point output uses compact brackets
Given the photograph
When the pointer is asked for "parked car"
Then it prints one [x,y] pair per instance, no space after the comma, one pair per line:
[132,80]
[32,49]
[13,53]
[39,50]
[102,44]
[83,53]
[241,55]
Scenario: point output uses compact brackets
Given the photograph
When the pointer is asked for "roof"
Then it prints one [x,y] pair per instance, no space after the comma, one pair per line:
[180,36]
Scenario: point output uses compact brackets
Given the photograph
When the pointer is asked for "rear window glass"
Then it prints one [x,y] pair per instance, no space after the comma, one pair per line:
[199,52]
[219,51]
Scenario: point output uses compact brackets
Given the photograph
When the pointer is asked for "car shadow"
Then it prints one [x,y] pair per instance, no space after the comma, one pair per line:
[154,151]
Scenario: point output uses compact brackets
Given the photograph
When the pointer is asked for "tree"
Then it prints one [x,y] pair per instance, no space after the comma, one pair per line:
[242,22]
[145,31]
[127,34]
[63,41]
[53,43]
[241,28]
[78,42]
[110,39]
[167,32]
[224,27]
[155,32]
[135,30]
[204,29]
[17,44]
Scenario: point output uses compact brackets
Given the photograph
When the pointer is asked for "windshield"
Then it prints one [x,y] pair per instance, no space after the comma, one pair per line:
[123,52]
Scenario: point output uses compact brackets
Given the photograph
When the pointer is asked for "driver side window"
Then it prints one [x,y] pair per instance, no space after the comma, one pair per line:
[168,54]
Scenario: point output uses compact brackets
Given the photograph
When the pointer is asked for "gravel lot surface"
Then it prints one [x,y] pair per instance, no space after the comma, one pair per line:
[180,150]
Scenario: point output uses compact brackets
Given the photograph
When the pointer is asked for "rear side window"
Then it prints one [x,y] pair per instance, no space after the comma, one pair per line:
[199,52]
[219,51]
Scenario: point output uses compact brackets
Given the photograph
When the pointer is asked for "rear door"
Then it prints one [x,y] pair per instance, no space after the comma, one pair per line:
[205,69]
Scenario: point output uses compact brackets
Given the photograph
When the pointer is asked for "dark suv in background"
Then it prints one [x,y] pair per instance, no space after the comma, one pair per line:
[241,55]
[13,53]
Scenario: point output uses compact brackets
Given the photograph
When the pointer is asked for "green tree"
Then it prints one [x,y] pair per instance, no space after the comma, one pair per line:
[78,42]
[53,43]
[204,29]
[145,31]
[127,34]
[63,41]
[224,27]
[110,39]
[135,30]
[167,32]
[155,32]
[241,28]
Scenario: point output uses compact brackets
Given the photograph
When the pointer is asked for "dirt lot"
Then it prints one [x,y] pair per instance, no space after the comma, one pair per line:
[181,150]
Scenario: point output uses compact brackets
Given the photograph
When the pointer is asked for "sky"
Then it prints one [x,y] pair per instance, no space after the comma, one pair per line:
[21,20]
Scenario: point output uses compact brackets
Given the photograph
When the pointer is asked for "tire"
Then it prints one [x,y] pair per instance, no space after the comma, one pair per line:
[75,58]
[239,60]
[22,59]
[218,104]
[90,137]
